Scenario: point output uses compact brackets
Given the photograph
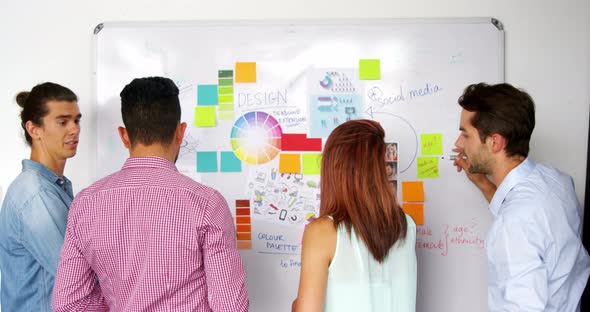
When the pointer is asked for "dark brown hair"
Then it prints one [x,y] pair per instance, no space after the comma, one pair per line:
[150,110]
[34,103]
[501,109]
[354,186]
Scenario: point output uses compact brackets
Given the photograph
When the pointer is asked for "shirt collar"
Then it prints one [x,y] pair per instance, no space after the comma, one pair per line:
[515,175]
[44,171]
[148,162]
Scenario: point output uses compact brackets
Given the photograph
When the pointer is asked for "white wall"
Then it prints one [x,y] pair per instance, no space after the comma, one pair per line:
[547,53]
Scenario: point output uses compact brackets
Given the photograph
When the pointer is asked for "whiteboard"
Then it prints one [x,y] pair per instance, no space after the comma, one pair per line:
[261,96]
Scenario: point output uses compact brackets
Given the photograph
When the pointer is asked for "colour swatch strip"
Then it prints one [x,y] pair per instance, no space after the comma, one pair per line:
[243,224]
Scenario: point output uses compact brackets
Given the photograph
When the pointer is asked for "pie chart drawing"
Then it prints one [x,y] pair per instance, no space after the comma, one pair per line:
[256,138]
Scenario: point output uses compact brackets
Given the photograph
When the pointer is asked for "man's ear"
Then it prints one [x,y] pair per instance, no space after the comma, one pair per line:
[179,134]
[497,142]
[33,130]
[124,137]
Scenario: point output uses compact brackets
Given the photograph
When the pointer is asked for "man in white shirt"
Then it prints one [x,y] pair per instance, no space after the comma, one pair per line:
[536,260]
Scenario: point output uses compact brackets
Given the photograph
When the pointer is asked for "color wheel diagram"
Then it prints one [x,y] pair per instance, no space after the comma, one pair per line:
[256,138]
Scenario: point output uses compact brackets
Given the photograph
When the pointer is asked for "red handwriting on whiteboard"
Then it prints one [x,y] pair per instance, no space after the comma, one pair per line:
[466,235]
[426,241]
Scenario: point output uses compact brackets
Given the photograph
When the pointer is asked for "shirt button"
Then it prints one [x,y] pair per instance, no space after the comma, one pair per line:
[60,182]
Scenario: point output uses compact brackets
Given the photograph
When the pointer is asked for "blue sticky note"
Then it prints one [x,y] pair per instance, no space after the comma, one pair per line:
[230,163]
[206,161]
[207,95]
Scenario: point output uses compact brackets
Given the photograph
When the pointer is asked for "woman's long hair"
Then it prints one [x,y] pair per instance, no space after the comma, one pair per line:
[354,186]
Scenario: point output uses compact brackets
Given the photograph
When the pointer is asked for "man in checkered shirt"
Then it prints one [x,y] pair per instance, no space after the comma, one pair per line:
[148,238]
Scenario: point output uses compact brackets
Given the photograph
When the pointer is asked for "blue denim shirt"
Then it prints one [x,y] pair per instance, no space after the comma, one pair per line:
[32,227]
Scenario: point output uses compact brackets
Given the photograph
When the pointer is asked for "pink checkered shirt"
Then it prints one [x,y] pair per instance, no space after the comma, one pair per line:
[155,240]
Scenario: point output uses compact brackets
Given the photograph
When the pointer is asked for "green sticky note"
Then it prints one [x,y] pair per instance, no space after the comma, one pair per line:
[225,82]
[225,90]
[230,162]
[226,98]
[205,116]
[370,69]
[206,161]
[228,73]
[312,163]
[431,144]
[226,115]
[427,167]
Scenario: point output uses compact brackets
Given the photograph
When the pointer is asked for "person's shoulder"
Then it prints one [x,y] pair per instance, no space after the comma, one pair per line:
[320,227]
[98,186]
[411,223]
[27,185]
[187,183]
[320,236]
[543,184]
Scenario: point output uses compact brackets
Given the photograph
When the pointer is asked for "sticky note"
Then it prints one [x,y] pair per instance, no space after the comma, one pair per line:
[413,191]
[242,211]
[370,69]
[300,142]
[230,162]
[228,73]
[226,98]
[416,211]
[246,72]
[243,220]
[243,203]
[207,95]
[225,82]
[290,163]
[427,167]
[243,228]
[205,116]
[312,163]
[206,161]
[244,245]
[226,115]
[223,90]
[243,236]
[226,107]
[431,144]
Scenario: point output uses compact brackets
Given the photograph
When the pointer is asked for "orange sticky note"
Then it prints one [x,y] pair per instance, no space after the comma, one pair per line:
[245,244]
[413,191]
[246,72]
[244,236]
[416,211]
[290,163]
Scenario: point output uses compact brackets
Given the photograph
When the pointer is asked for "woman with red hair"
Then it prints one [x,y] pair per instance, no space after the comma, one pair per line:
[360,254]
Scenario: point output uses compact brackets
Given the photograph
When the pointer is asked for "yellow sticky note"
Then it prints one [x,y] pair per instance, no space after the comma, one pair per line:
[290,163]
[427,167]
[370,69]
[416,211]
[226,115]
[413,191]
[205,116]
[246,72]
[312,163]
[431,143]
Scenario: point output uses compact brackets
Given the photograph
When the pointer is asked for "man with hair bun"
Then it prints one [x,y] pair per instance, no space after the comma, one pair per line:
[35,208]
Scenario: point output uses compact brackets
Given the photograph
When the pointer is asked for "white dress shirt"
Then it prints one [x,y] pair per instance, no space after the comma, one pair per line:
[536,260]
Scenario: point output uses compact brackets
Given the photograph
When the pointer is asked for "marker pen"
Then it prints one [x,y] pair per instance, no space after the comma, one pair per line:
[452,157]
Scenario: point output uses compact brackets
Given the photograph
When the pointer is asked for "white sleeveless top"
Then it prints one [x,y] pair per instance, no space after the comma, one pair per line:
[357,282]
